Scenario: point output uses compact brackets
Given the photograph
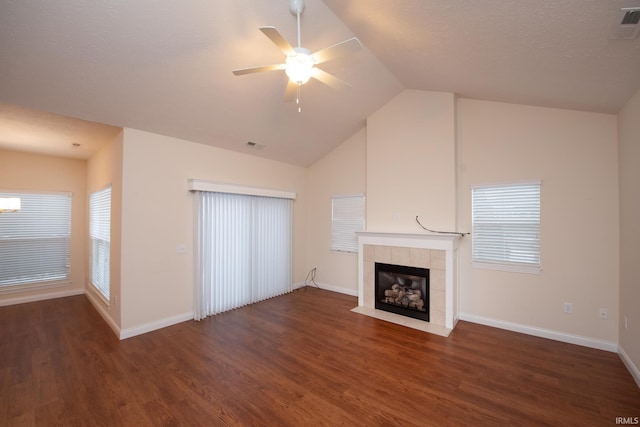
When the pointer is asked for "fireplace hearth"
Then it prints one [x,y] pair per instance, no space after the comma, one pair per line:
[402,290]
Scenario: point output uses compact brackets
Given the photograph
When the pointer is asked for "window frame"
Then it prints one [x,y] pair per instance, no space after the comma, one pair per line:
[504,264]
[97,234]
[341,240]
[61,231]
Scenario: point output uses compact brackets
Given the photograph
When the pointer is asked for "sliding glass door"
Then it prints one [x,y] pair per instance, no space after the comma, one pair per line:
[243,246]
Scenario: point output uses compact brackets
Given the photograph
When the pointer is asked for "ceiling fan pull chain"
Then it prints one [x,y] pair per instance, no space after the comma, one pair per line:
[298,99]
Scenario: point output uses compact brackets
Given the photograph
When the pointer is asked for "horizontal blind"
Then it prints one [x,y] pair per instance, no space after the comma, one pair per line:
[100,236]
[34,241]
[347,218]
[506,224]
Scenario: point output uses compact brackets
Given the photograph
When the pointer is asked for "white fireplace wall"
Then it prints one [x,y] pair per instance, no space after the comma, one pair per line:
[411,163]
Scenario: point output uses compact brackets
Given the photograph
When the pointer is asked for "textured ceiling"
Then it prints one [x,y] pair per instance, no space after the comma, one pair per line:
[557,53]
[165,66]
[24,129]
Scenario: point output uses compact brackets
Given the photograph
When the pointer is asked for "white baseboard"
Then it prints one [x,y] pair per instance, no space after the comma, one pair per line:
[338,289]
[152,326]
[633,369]
[41,297]
[100,308]
[543,333]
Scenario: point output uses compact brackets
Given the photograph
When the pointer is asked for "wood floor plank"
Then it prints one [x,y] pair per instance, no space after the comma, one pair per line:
[299,359]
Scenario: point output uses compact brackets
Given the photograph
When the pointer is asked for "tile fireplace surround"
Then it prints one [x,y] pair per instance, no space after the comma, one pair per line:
[437,252]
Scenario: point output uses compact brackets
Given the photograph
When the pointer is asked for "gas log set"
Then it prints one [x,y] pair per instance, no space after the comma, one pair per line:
[405,297]
[402,290]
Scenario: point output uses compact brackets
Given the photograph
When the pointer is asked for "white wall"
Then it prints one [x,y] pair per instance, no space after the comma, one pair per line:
[105,168]
[157,216]
[26,171]
[629,139]
[342,171]
[411,163]
[575,155]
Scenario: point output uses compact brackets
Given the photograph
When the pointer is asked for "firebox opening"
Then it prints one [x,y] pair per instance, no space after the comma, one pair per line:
[402,290]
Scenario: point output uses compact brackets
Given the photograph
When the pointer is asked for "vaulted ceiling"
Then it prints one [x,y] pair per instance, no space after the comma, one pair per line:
[165,66]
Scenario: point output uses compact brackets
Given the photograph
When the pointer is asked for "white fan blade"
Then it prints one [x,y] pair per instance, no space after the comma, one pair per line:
[278,40]
[291,91]
[338,49]
[258,69]
[329,80]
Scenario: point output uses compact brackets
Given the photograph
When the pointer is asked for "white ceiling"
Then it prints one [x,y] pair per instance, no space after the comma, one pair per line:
[165,66]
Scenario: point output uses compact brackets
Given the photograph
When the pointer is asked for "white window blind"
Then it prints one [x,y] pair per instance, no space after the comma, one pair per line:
[506,227]
[243,250]
[34,241]
[347,217]
[100,237]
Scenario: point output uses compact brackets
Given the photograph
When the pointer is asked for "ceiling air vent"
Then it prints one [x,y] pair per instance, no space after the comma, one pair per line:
[627,26]
[254,145]
[631,17]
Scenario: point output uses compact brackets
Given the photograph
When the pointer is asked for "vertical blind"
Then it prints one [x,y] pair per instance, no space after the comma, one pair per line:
[506,224]
[100,237]
[34,242]
[243,246]
[347,217]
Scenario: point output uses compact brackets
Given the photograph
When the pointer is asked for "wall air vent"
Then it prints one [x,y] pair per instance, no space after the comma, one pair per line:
[627,26]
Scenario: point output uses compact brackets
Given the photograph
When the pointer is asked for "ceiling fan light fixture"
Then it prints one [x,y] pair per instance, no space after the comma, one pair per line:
[299,67]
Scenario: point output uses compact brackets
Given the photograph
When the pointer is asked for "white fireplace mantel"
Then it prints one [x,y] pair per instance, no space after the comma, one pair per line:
[440,242]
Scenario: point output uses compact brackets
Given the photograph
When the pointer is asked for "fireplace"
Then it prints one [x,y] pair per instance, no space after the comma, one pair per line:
[436,252]
[402,290]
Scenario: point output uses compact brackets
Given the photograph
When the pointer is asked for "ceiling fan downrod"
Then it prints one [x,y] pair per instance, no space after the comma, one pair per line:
[296,7]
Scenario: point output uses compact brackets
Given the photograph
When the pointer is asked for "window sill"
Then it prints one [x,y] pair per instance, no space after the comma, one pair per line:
[99,295]
[507,267]
[333,251]
[34,286]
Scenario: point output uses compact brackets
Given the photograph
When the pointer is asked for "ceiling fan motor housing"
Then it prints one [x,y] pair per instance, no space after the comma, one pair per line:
[296,7]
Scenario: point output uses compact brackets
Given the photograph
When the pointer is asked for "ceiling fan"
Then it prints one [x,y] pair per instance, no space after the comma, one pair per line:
[300,63]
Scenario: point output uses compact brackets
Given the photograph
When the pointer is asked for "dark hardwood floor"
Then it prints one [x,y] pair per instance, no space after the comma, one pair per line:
[299,359]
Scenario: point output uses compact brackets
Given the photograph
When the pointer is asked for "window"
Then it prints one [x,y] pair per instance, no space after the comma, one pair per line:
[100,237]
[35,240]
[347,217]
[506,227]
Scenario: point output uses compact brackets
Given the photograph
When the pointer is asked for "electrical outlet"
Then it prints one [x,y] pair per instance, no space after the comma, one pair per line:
[603,313]
[625,322]
[568,307]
